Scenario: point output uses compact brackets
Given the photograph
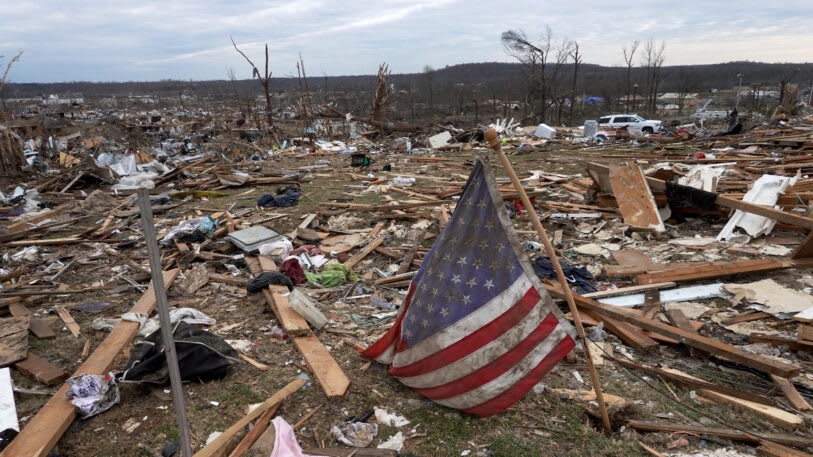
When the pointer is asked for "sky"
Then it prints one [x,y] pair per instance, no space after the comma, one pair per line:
[148,40]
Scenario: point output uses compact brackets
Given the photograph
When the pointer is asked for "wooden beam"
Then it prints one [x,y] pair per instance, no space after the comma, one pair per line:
[358,257]
[327,372]
[706,270]
[775,415]
[276,296]
[41,370]
[218,446]
[727,351]
[43,431]
[260,426]
[791,393]
[627,333]
[725,433]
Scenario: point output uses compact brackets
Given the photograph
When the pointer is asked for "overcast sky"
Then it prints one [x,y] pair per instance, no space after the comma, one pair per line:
[147,40]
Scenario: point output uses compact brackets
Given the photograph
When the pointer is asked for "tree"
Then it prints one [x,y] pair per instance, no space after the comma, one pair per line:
[577,61]
[428,76]
[653,63]
[534,58]
[628,57]
[265,81]
[12,158]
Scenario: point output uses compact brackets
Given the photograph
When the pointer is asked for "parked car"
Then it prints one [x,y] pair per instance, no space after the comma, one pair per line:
[633,121]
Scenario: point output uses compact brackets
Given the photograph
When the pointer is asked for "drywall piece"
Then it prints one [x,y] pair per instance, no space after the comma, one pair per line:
[543,131]
[635,199]
[765,192]
[672,295]
[704,176]
[772,297]
[8,409]
[439,140]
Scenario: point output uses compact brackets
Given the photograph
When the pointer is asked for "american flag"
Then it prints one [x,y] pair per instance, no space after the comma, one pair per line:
[477,329]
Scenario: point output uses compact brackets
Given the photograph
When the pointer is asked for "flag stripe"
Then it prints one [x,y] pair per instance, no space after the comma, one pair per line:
[510,396]
[497,367]
[472,341]
[507,381]
[464,327]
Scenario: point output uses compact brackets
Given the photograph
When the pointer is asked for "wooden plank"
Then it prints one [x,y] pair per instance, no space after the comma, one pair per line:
[775,415]
[260,426]
[68,319]
[805,332]
[727,351]
[354,452]
[635,200]
[8,408]
[276,297]
[804,249]
[725,433]
[770,449]
[358,257]
[652,303]
[708,270]
[679,320]
[41,370]
[745,317]
[628,333]
[791,393]
[694,382]
[13,339]
[218,446]
[407,262]
[37,327]
[327,372]
[43,431]
[223,279]
[722,200]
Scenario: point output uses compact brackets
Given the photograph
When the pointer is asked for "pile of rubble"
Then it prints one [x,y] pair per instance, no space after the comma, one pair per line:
[684,243]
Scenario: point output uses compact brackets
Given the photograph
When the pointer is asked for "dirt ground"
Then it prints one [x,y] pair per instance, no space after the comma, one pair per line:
[542,423]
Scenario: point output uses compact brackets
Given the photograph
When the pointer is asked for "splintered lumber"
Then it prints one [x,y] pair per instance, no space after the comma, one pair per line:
[374,243]
[327,372]
[257,430]
[13,339]
[791,393]
[68,319]
[407,262]
[37,327]
[771,449]
[43,431]
[635,200]
[292,322]
[218,446]
[722,200]
[706,270]
[693,382]
[775,415]
[727,351]
[627,333]
[725,433]
[40,369]
[629,290]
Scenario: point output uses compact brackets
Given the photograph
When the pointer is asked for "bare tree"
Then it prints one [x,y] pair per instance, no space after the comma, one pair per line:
[12,158]
[563,53]
[629,55]
[577,61]
[428,76]
[382,92]
[534,58]
[653,63]
[265,81]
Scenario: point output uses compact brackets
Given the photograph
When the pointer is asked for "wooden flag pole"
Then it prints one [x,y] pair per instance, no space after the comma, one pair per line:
[494,141]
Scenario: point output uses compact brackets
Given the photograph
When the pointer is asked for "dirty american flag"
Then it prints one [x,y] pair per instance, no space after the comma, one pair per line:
[477,330]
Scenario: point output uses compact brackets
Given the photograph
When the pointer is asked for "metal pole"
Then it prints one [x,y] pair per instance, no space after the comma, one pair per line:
[494,141]
[166,327]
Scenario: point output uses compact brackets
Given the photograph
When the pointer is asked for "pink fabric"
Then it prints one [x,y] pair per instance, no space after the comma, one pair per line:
[285,444]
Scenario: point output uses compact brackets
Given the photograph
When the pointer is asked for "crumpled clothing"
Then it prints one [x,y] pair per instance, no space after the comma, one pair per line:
[268,278]
[335,274]
[357,434]
[285,444]
[193,229]
[292,269]
[92,394]
[306,248]
[578,277]
[290,198]
[189,315]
